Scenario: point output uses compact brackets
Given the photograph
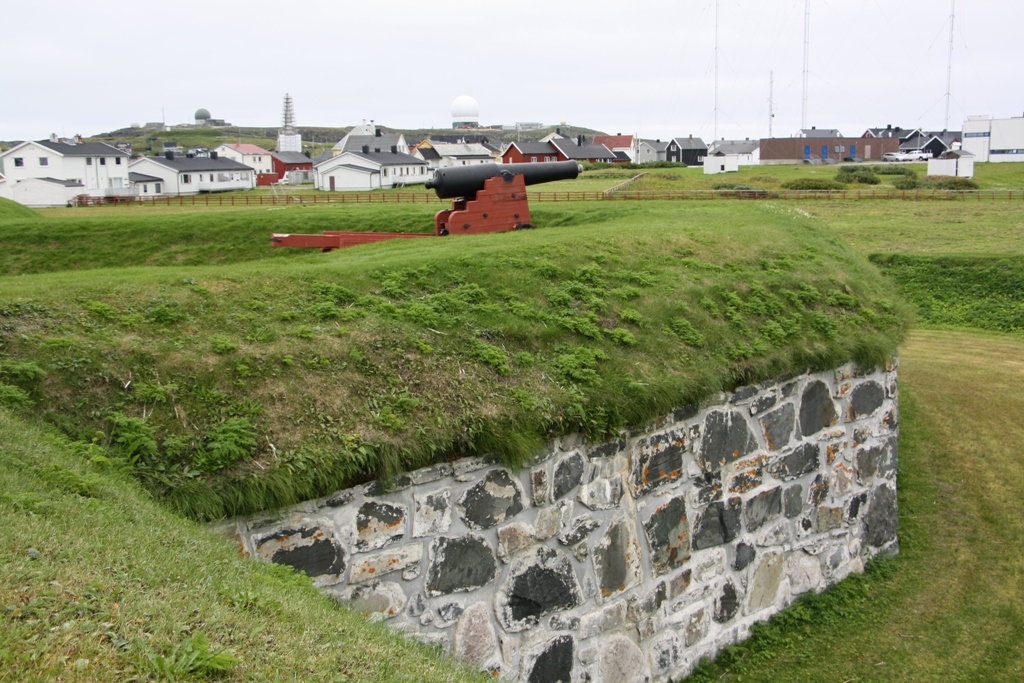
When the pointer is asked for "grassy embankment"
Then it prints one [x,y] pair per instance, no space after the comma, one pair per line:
[100,583]
[239,387]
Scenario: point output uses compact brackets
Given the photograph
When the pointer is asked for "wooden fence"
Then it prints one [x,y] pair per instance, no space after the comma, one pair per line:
[620,196]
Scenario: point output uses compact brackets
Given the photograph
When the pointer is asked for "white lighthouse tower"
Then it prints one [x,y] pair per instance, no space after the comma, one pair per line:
[288,139]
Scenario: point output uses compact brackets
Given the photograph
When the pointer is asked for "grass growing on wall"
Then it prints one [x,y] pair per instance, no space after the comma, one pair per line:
[99,583]
[254,385]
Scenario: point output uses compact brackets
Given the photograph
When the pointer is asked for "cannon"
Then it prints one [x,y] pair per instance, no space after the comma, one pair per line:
[491,197]
[487,198]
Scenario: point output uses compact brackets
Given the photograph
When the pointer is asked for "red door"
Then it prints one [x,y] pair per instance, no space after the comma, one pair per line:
[332,183]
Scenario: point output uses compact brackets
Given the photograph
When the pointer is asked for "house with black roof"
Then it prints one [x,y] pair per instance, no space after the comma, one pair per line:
[64,169]
[182,175]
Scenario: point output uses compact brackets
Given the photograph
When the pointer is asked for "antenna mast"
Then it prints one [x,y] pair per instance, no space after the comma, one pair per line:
[716,69]
[807,53]
[771,101]
[949,61]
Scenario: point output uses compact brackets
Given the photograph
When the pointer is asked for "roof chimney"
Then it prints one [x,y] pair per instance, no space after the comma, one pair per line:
[814,127]
[888,126]
[376,132]
[366,149]
[213,155]
[579,140]
[53,137]
[691,136]
[169,155]
[394,149]
[78,139]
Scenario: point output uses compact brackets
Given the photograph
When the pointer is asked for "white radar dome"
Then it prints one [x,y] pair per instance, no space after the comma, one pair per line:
[465,108]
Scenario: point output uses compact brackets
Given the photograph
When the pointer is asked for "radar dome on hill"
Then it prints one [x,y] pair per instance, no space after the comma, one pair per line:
[202,115]
[465,112]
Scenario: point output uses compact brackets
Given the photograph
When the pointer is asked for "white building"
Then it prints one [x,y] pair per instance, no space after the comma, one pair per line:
[64,170]
[368,135]
[748,152]
[183,175]
[253,156]
[991,139]
[446,154]
[368,170]
[958,163]
[650,150]
[288,139]
[721,162]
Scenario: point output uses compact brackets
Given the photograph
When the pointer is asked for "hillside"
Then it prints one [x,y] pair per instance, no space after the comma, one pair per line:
[243,386]
[13,210]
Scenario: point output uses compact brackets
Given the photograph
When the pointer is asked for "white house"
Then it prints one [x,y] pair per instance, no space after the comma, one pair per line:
[748,152]
[368,170]
[174,175]
[66,167]
[253,156]
[650,150]
[721,162]
[623,146]
[368,135]
[991,139]
[953,163]
[445,154]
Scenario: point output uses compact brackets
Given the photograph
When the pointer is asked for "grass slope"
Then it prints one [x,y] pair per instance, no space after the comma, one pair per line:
[950,608]
[100,583]
[241,387]
[10,210]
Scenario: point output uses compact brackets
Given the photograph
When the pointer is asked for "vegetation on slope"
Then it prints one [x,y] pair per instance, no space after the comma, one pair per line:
[238,388]
[99,583]
[13,210]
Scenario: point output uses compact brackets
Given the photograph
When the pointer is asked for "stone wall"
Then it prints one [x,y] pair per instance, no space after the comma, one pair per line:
[621,561]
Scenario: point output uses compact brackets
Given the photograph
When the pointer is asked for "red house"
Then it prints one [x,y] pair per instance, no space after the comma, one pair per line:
[529,152]
[558,149]
[290,161]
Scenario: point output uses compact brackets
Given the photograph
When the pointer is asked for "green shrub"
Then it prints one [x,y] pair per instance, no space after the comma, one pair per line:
[622,337]
[861,176]
[908,183]
[813,184]
[578,363]
[631,315]
[221,344]
[685,331]
[226,444]
[13,397]
[24,373]
[193,658]
[951,183]
[491,356]
[133,437]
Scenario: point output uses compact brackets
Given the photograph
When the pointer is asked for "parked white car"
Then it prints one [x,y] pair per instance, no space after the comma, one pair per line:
[910,155]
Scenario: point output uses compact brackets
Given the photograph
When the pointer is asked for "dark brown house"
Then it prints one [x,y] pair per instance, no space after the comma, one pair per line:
[825,150]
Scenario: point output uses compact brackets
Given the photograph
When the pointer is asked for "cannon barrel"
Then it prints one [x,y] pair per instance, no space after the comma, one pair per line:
[466,181]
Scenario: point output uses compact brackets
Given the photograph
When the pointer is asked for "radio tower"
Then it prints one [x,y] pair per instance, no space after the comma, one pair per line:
[771,101]
[716,69]
[807,54]
[949,61]
[288,140]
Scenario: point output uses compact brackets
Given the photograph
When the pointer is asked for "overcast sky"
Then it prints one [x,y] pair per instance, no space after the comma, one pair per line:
[645,66]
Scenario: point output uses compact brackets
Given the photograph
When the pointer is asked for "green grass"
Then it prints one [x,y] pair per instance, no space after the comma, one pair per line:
[368,361]
[13,210]
[100,583]
[950,608]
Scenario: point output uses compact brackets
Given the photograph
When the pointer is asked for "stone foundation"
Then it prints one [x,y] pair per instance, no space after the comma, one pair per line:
[621,561]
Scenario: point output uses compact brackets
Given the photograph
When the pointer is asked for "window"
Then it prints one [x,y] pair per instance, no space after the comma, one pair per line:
[533,160]
[156,188]
[88,161]
[117,161]
[103,161]
[44,161]
[186,179]
[19,162]
[145,189]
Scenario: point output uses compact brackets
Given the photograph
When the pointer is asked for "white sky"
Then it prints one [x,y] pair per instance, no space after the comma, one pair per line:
[645,66]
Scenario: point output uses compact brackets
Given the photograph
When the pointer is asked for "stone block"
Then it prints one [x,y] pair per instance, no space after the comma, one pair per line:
[458,564]
[745,554]
[512,538]
[695,627]
[376,600]
[817,411]
[611,617]
[309,549]
[727,437]
[793,501]
[748,475]
[475,641]
[379,524]
[580,528]
[777,426]
[668,535]
[803,459]
[765,506]
[765,401]
[881,521]
[709,487]
[709,566]
[491,501]
[568,475]
[374,566]
[664,654]
[641,607]
[817,492]
[879,461]
[678,584]
[540,485]
[617,559]
[620,660]
[657,460]
[865,399]
[552,662]
[857,504]
[843,478]
[550,520]
[718,524]
[764,588]
[432,513]
[804,572]
[539,582]
[602,494]
[727,603]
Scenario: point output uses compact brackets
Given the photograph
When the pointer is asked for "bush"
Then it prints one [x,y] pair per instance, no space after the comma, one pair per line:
[862,176]
[813,184]
[221,344]
[908,183]
[227,443]
[951,183]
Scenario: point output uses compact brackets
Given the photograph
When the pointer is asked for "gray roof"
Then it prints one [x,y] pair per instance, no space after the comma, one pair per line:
[57,181]
[656,145]
[893,132]
[199,164]
[690,143]
[621,156]
[291,157]
[389,158]
[820,133]
[429,153]
[455,149]
[585,151]
[83,149]
[354,143]
[734,146]
[134,177]
[322,157]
